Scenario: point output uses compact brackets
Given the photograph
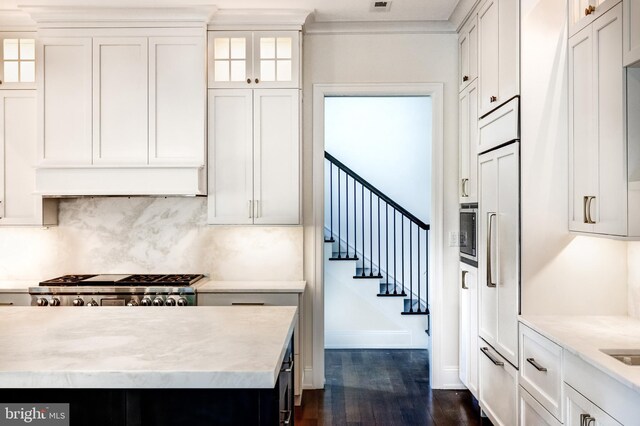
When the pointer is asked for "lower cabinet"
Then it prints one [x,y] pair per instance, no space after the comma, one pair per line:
[14,299]
[498,387]
[531,413]
[264,299]
[469,327]
[582,412]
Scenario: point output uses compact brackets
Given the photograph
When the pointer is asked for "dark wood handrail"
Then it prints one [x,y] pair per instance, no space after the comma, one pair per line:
[376,191]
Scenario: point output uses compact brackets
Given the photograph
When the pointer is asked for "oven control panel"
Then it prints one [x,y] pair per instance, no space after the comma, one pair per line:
[113,300]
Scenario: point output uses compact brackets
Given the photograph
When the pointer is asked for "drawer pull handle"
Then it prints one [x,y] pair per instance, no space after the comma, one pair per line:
[586,419]
[464,280]
[6,303]
[289,365]
[247,303]
[538,367]
[493,359]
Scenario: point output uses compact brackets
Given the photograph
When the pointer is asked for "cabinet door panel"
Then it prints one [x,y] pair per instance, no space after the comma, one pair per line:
[230,59]
[498,387]
[468,116]
[488,27]
[610,207]
[18,204]
[64,82]
[463,59]
[473,48]
[230,156]
[469,327]
[583,161]
[276,59]
[578,407]
[120,100]
[631,30]
[464,144]
[508,50]
[276,157]
[177,100]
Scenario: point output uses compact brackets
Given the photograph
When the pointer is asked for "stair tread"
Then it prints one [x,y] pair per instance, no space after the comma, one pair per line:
[413,307]
[334,256]
[367,273]
[398,291]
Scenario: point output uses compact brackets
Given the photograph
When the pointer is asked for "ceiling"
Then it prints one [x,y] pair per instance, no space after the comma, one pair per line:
[325,10]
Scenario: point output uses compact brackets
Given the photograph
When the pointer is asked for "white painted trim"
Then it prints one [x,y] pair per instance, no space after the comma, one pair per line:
[371,339]
[451,378]
[462,12]
[16,20]
[259,19]
[440,376]
[380,27]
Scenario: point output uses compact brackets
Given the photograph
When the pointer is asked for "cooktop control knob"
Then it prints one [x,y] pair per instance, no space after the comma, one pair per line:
[158,301]
[170,302]
[182,302]
[55,302]
[133,302]
[92,303]
[78,302]
[42,302]
[146,301]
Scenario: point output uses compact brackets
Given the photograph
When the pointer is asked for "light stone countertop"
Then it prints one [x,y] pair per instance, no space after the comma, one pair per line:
[120,347]
[17,286]
[584,336]
[208,286]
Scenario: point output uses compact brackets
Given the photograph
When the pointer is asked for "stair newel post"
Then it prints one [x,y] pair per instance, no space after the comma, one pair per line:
[402,251]
[418,262]
[379,258]
[363,215]
[346,215]
[426,268]
[339,218]
[370,233]
[410,266]
[331,200]
[386,240]
[395,262]
[355,222]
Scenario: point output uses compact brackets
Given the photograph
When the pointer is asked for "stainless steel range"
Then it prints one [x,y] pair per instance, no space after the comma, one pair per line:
[116,290]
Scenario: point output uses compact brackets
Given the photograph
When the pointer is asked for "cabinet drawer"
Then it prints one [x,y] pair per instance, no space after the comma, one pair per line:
[541,370]
[499,127]
[266,299]
[498,387]
[14,299]
[532,413]
[581,411]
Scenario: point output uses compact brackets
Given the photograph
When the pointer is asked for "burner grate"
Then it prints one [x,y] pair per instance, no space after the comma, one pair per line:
[160,280]
[67,279]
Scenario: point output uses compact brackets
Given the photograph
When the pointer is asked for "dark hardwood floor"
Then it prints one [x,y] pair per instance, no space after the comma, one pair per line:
[383,387]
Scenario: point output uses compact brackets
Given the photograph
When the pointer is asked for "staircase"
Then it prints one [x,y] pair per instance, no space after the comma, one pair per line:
[376,251]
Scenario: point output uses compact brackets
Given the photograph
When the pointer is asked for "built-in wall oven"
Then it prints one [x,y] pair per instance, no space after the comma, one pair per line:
[469,233]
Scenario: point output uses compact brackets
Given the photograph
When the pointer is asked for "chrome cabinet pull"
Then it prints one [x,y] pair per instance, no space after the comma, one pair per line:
[493,359]
[586,209]
[464,280]
[247,303]
[586,419]
[250,209]
[6,303]
[289,366]
[257,209]
[463,187]
[538,367]
[490,282]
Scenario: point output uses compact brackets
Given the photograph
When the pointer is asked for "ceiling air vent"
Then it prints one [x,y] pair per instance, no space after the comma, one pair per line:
[380,6]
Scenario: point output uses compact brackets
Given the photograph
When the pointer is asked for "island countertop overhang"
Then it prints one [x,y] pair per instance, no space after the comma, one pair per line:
[237,347]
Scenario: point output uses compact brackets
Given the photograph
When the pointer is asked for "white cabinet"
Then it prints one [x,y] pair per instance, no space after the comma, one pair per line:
[261,59]
[468,134]
[597,140]
[122,112]
[17,60]
[498,53]
[498,387]
[468,53]
[469,327]
[582,13]
[499,243]
[582,412]
[14,299]
[254,156]
[631,31]
[531,413]
[18,203]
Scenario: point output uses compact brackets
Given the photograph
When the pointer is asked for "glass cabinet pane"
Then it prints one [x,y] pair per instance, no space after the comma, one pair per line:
[11,74]
[11,49]
[221,69]
[284,47]
[27,71]
[284,70]
[238,48]
[238,70]
[268,70]
[267,48]
[27,49]
[221,48]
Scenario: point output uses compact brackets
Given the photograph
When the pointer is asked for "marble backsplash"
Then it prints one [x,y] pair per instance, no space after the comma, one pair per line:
[149,235]
[633,262]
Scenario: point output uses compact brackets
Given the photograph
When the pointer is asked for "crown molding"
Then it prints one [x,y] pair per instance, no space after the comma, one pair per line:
[54,16]
[256,19]
[380,27]
[462,12]
[16,20]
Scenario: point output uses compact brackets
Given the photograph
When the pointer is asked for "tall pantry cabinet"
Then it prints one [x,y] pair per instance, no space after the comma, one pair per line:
[254,127]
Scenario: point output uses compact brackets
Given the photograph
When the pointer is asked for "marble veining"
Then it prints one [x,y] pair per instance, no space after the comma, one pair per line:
[585,336]
[210,286]
[193,347]
[149,235]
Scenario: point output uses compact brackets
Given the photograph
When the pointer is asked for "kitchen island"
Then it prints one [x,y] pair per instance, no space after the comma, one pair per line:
[169,366]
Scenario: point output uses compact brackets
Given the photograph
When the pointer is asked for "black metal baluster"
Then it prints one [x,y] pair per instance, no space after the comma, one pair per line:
[426,268]
[386,241]
[339,219]
[402,241]
[346,215]
[331,200]
[395,262]
[363,258]
[379,259]
[419,309]
[355,222]
[410,267]
[371,232]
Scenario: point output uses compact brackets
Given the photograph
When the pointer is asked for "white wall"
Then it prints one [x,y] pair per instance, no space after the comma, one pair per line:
[561,273]
[148,235]
[387,141]
[389,58]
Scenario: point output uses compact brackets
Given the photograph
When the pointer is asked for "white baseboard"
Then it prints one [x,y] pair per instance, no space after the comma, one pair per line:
[307,378]
[451,378]
[372,339]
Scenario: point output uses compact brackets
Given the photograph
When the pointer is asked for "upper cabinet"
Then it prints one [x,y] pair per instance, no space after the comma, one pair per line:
[602,199]
[17,60]
[468,137]
[631,32]
[254,59]
[498,53]
[468,53]
[131,99]
[583,12]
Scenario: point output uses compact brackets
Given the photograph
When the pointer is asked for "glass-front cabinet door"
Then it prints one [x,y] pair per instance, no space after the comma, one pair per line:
[17,60]
[266,59]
